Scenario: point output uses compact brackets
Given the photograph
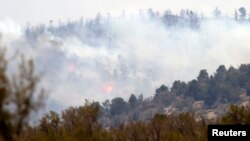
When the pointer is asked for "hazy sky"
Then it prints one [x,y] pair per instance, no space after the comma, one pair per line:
[37,11]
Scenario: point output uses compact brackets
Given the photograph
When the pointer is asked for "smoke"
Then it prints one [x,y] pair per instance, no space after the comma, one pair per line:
[127,56]
[9,32]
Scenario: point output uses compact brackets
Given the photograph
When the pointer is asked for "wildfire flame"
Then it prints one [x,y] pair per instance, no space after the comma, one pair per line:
[107,88]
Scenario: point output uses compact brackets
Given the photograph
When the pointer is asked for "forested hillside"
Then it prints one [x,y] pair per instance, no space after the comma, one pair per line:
[207,95]
[115,64]
[110,56]
[179,113]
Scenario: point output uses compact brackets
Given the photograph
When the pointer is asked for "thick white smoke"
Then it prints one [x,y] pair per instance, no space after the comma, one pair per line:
[143,55]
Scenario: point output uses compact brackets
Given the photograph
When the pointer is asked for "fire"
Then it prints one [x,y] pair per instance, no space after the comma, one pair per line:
[107,88]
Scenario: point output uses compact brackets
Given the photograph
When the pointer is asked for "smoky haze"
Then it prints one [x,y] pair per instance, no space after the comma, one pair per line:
[39,11]
[109,57]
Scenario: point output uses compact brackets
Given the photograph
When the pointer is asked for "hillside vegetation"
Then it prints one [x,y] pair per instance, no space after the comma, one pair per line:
[81,124]
[83,48]
[207,96]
